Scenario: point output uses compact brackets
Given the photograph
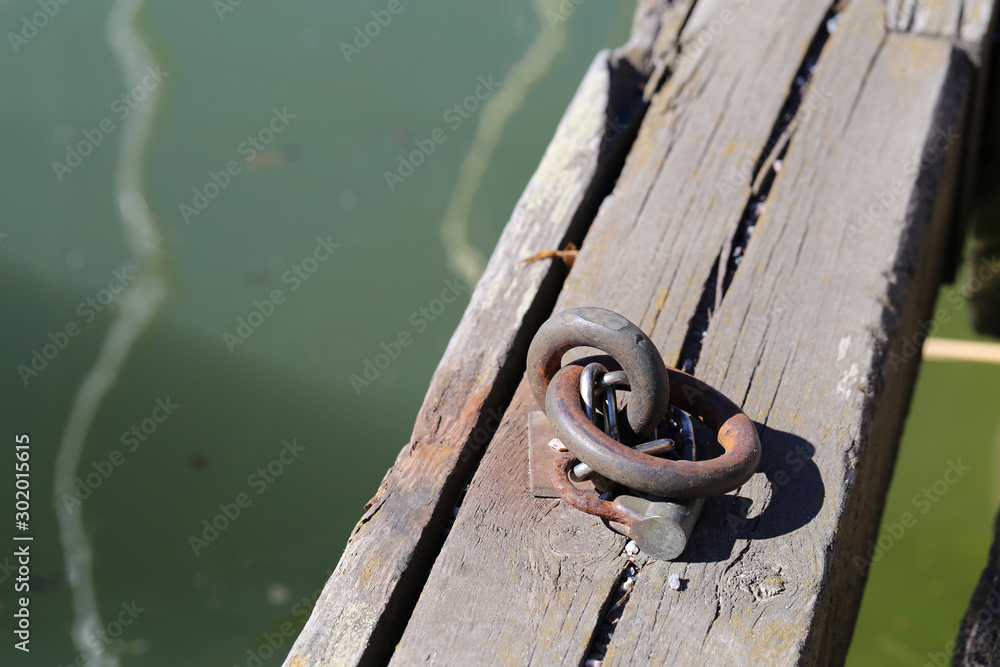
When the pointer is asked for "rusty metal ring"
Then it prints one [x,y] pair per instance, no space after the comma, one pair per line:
[635,470]
[615,335]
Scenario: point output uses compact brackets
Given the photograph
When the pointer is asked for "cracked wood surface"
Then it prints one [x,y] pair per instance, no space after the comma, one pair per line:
[804,338]
[802,332]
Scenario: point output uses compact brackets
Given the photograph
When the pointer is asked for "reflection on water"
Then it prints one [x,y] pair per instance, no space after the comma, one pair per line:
[138,306]
[502,102]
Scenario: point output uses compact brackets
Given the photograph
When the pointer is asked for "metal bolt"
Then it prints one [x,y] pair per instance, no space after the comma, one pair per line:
[660,529]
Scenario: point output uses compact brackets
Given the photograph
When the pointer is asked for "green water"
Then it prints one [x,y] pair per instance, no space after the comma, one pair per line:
[317,190]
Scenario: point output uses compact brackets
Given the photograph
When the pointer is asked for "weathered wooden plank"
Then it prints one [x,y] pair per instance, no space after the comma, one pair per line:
[659,235]
[827,382]
[367,600]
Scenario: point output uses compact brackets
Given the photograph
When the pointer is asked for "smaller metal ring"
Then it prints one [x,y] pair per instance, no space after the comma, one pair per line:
[616,379]
[588,387]
[635,470]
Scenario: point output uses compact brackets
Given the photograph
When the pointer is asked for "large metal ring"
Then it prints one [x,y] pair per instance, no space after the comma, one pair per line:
[615,335]
[635,470]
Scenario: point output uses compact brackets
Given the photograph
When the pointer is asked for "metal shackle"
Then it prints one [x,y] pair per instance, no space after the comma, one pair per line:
[660,529]
[608,331]
[635,470]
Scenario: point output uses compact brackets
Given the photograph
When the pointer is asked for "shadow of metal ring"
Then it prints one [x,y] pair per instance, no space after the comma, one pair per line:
[608,331]
[635,470]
